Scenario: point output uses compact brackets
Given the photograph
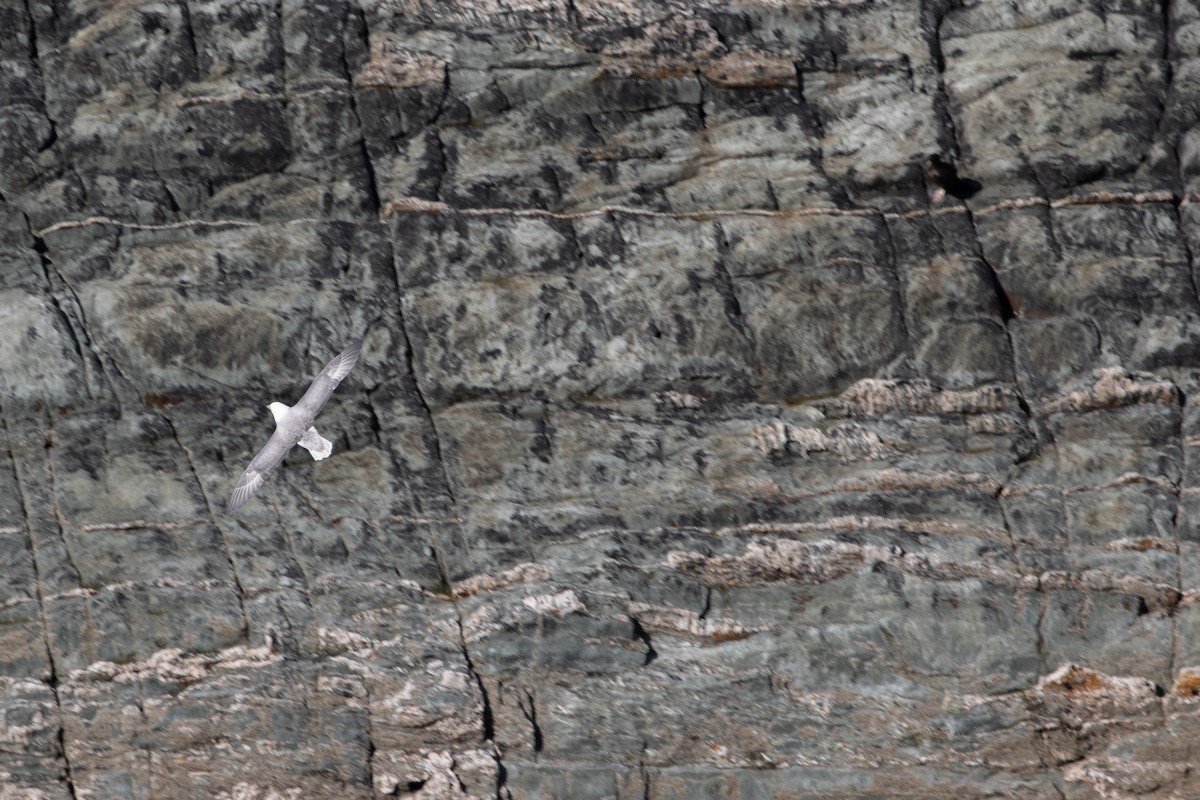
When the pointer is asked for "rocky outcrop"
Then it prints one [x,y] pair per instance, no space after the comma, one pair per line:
[708,439]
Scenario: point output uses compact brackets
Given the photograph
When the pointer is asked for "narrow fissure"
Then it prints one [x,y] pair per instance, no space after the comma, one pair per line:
[640,633]
[239,591]
[707,604]
[530,714]
[53,678]
[372,187]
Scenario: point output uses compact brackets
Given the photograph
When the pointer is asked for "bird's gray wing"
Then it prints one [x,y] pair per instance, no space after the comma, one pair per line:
[325,382]
[260,467]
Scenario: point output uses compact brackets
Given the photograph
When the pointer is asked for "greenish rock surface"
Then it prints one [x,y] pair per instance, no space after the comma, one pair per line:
[699,447]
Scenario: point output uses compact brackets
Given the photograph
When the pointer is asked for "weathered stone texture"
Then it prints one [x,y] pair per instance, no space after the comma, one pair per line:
[698,447]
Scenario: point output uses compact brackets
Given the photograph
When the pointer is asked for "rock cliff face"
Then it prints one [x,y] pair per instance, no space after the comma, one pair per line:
[701,445]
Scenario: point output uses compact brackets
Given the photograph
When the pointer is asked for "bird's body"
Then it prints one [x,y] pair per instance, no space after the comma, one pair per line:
[293,426]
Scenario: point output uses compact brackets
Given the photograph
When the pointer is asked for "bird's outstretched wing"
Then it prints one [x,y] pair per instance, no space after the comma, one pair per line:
[339,366]
[289,431]
[260,467]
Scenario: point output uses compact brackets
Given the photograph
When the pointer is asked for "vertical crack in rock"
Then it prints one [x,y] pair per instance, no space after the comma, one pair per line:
[281,44]
[488,718]
[38,569]
[437,159]
[371,749]
[814,116]
[896,279]
[60,523]
[291,545]
[1162,100]
[1012,540]
[376,425]
[530,714]
[429,415]
[1177,214]
[1056,246]
[441,164]
[1177,487]
[226,545]
[77,332]
[368,166]
[772,196]
[35,59]
[410,366]
[640,633]
[1007,313]
[726,289]
[1168,58]
[816,128]
[933,14]
[703,615]
[56,280]
[643,771]
[462,787]
[185,13]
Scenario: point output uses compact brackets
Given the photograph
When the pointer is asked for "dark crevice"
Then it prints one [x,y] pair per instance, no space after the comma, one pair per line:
[92,369]
[39,245]
[38,568]
[772,196]
[77,333]
[489,725]
[701,113]
[61,739]
[372,187]
[442,162]
[190,35]
[1162,100]
[372,183]
[502,792]
[60,527]
[239,591]
[942,179]
[1003,301]
[282,50]
[35,58]
[1048,213]
[376,425]
[462,787]
[436,436]
[640,633]
[1177,215]
[410,367]
[933,14]
[707,603]
[643,771]
[897,279]
[530,714]
[725,286]
[370,737]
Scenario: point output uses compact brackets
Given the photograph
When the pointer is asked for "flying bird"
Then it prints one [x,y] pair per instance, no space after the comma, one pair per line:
[293,426]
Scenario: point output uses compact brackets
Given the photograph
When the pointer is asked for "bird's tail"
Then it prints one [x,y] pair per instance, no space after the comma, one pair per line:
[315,443]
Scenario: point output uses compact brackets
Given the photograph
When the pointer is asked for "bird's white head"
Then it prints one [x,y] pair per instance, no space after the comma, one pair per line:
[278,411]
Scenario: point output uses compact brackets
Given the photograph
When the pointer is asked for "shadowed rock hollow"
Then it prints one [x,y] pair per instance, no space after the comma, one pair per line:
[699,446]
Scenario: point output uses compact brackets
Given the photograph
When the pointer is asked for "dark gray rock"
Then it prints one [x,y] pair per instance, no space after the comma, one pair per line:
[697,448]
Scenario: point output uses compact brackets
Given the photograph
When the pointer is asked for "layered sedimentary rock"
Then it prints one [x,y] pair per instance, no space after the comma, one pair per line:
[699,447]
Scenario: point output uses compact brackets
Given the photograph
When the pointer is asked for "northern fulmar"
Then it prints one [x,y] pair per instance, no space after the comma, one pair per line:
[293,426]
